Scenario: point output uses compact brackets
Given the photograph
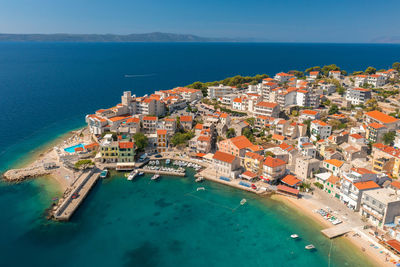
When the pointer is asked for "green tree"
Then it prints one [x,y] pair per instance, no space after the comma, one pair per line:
[141,141]
[396,66]
[251,121]
[181,138]
[315,68]
[249,134]
[333,109]
[388,138]
[230,133]
[370,70]
[83,164]
[298,74]
[327,68]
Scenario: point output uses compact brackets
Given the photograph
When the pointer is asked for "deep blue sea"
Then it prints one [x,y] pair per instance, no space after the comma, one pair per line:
[45,91]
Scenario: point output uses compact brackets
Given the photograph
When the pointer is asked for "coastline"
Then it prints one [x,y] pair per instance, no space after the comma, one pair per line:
[306,208]
[302,205]
[44,151]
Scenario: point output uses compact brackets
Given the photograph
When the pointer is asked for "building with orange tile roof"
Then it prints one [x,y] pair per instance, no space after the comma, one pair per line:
[320,130]
[162,141]
[225,164]
[273,169]
[381,118]
[235,146]
[291,180]
[268,109]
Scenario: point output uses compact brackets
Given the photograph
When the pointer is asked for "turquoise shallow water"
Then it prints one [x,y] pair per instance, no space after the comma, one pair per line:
[162,223]
[47,88]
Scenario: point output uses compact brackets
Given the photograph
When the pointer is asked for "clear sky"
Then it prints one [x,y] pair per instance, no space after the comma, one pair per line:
[279,20]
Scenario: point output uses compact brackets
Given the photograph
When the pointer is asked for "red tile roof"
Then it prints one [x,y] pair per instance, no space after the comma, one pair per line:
[149,118]
[225,157]
[290,180]
[186,119]
[273,162]
[267,104]
[287,189]
[125,144]
[161,132]
[381,117]
[366,185]
[241,142]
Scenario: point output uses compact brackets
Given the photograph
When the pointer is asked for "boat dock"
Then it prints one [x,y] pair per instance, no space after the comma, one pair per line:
[181,174]
[336,231]
[76,194]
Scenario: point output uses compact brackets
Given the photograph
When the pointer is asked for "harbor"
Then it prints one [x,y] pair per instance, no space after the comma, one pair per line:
[75,195]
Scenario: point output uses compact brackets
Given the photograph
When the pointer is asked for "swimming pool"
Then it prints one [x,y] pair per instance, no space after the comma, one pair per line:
[71,149]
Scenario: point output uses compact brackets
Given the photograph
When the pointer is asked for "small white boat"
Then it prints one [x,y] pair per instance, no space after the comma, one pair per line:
[243,201]
[294,236]
[168,161]
[157,162]
[132,175]
[104,173]
[310,247]
[199,179]
[200,188]
[141,173]
[155,177]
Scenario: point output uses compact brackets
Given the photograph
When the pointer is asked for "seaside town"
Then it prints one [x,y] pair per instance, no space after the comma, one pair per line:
[323,139]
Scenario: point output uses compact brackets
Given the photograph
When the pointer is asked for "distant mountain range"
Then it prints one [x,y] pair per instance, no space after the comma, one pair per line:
[139,37]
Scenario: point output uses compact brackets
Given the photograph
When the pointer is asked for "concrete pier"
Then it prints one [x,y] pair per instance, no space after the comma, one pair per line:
[181,174]
[336,231]
[79,189]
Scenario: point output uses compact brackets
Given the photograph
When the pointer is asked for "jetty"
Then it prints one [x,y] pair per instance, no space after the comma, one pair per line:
[336,231]
[15,175]
[75,195]
[181,174]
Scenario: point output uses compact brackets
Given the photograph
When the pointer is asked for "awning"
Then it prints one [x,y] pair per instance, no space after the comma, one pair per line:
[394,244]
[248,175]
[200,155]
[264,178]
[287,189]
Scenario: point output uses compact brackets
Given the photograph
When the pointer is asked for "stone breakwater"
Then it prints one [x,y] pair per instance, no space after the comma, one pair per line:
[16,175]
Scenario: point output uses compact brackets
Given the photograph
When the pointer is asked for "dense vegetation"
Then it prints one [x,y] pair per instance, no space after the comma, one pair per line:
[181,138]
[83,164]
[237,81]
[141,141]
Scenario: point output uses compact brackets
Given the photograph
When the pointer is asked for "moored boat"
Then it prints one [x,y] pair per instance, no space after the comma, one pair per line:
[155,177]
[132,175]
[104,173]
[199,179]
[294,236]
[310,247]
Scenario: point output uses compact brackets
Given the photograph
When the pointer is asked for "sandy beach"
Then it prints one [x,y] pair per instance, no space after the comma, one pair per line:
[306,206]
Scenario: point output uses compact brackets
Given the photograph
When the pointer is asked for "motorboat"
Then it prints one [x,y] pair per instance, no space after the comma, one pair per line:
[200,188]
[310,247]
[199,179]
[141,173]
[104,173]
[243,201]
[155,177]
[294,236]
[168,161]
[132,175]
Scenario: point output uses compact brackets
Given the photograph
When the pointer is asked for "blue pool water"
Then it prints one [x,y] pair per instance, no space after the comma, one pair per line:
[71,149]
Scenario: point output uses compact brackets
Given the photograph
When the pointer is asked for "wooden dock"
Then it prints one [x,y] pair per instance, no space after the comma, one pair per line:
[181,174]
[80,189]
[336,231]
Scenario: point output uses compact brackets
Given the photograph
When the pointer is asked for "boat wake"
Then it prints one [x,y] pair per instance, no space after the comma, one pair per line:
[138,75]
